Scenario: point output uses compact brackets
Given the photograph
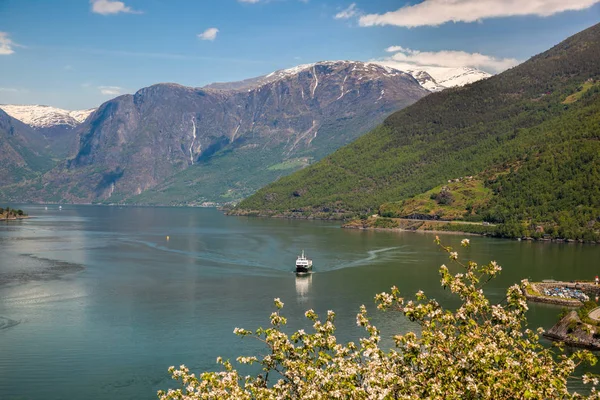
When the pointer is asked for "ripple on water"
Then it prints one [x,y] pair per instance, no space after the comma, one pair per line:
[41,269]
[6,323]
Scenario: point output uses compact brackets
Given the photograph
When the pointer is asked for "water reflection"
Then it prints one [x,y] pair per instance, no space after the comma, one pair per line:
[303,285]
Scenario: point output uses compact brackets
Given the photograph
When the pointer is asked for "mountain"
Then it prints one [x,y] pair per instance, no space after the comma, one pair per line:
[433,78]
[57,126]
[38,116]
[532,133]
[427,81]
[439,78]
[171,144]
[453,77]
[22,151]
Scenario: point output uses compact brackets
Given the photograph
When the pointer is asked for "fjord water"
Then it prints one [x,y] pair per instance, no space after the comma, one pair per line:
[96,302]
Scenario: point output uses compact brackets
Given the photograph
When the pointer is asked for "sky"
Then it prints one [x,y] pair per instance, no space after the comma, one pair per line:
[77,54]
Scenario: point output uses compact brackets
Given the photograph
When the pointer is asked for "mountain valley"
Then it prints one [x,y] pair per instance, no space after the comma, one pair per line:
[170,144]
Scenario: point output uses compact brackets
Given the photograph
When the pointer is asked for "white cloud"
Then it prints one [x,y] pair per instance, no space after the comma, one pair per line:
[110,90]
[6,45]
[107,7]
[209,34]
[393,49]
[8,89]
[437,12]
[348,12]
[407,59]
[249,1]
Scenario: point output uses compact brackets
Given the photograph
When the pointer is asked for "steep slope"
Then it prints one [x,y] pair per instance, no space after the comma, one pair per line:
[193,145]
[519,115]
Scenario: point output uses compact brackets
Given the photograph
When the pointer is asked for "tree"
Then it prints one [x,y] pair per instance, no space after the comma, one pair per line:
[480,350]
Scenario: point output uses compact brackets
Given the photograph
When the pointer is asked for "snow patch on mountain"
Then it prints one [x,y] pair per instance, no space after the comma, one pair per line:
[451,77]
[356,68]
[426,81]
[433,79]
[39,116]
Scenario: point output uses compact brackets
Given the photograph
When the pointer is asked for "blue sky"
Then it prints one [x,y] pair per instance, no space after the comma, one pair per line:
[77,54]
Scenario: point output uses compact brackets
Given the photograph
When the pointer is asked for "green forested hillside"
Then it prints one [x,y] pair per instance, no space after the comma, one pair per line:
[543,116]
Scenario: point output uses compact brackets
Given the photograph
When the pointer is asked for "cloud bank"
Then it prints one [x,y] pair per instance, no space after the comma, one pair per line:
[437,12]
[407,59]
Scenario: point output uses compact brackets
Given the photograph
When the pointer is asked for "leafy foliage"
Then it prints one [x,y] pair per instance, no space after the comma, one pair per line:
[480,350]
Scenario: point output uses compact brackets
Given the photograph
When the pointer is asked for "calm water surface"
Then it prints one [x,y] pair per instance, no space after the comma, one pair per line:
[96,303]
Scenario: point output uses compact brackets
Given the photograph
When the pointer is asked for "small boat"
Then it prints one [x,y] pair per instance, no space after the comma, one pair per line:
[303,264]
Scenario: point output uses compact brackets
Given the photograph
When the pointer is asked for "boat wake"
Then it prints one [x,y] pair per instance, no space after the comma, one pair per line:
[6,323]
[373,256]
[211,258]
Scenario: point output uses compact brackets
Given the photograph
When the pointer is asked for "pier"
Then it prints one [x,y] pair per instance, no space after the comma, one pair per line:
[568,294]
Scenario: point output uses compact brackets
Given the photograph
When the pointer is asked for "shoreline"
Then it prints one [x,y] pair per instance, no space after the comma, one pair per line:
[425,226]
[345,222]
[442,232]
[437,232]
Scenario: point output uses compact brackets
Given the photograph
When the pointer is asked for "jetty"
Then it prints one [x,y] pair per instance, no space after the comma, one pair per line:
[579,327]
[568,294]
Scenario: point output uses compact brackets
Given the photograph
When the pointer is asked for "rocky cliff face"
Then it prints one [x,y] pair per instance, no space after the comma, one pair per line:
[221,134]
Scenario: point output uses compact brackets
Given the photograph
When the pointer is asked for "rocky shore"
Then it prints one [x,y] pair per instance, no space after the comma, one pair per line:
[573,332]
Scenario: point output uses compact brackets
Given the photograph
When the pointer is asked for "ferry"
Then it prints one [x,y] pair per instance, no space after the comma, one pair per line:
[303,264]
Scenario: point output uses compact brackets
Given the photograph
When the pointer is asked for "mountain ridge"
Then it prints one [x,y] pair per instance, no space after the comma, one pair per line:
[444,77]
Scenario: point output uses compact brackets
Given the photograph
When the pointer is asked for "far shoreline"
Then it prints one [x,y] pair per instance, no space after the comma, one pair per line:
[438,232]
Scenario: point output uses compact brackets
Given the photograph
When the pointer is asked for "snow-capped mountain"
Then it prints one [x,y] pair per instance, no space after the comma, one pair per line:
[38,116]
[356,69]
[426,81]
[451,77]
[440,78]
[435,78]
